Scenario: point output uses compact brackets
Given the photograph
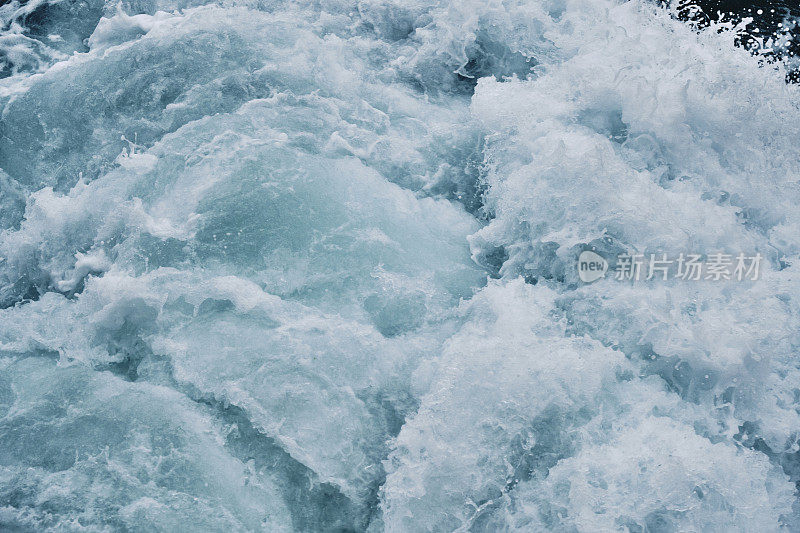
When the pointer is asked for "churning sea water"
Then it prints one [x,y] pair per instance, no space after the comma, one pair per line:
[311,266]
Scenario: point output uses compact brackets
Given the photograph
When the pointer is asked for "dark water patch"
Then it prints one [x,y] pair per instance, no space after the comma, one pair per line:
[774,33]
[314,506]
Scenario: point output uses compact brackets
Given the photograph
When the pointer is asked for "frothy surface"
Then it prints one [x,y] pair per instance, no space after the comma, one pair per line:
[311,266]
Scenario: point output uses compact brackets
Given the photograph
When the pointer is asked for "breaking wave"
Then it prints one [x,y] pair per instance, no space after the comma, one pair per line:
[310,266]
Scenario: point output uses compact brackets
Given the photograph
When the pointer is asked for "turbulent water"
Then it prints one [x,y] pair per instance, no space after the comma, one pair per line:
[311,266]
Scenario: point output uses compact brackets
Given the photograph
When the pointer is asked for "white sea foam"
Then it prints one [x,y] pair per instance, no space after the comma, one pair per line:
[291,266]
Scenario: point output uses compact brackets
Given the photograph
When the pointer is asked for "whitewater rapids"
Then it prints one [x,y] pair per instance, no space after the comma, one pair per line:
[310,266]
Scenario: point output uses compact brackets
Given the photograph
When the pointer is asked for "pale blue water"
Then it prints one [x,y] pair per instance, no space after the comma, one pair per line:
[310,266]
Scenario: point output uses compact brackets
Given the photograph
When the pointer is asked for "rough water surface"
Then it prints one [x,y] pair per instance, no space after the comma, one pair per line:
[310,266]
